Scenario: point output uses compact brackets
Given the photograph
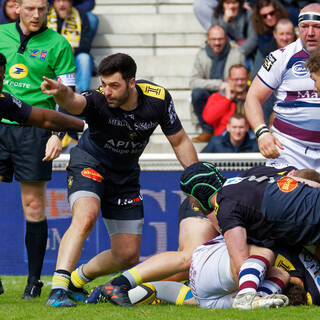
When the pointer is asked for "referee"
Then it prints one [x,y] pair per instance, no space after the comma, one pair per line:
[26,152]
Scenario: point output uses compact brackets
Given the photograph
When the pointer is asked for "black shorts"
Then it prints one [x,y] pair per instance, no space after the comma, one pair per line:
[21,151]
[187,210]
[87,177]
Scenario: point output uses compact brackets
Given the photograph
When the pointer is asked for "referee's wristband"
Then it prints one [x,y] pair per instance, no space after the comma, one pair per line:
[59,134]
[260,130]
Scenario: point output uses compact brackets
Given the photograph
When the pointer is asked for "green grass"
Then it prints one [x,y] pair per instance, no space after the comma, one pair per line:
[13,307]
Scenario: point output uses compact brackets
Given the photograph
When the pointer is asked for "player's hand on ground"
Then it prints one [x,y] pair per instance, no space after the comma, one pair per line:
[49,86]
[268,146]
[53,148]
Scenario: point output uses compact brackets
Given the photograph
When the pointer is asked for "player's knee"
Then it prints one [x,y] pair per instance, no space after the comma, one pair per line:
[128,258]
[33,210]
[84,223]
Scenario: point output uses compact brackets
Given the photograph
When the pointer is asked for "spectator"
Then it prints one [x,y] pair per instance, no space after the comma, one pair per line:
[8,11]
[235,19]
[73,24]
[221,105]
[87,6]
[293,7]
[235,139]
[203,10]
[211,67]
[265,15]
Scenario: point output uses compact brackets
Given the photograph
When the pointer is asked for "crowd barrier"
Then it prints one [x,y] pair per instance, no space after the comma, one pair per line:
[162,197]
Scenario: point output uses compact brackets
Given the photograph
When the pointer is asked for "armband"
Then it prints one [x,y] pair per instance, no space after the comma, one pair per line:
[260,130]
[59,134]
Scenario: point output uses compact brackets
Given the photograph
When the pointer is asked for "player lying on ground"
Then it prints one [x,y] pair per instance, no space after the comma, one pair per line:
[263,203]
[302,266]
[212,282]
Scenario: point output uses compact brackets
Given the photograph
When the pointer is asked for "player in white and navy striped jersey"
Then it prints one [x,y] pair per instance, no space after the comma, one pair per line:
[296,127]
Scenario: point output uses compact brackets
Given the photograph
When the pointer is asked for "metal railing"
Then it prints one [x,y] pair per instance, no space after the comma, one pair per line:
[169,162]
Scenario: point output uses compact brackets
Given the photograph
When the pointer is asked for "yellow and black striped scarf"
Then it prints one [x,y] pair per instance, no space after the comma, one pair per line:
[71,27]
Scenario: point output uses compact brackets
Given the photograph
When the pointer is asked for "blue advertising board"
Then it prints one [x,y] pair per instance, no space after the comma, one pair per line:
[162,197]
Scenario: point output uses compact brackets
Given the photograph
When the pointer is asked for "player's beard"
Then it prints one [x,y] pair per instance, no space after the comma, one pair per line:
[118,102]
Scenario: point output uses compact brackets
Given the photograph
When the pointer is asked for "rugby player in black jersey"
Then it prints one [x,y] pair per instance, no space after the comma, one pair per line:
[264,204]
[104,171]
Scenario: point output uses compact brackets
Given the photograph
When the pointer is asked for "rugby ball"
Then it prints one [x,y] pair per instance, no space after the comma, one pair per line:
[143,294]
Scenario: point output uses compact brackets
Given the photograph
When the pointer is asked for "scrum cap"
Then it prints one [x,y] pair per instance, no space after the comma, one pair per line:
[202,180]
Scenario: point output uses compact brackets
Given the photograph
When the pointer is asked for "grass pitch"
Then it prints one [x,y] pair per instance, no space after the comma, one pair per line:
[13,307]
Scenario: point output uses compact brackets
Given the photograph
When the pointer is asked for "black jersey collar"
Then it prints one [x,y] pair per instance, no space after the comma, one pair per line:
[25,38]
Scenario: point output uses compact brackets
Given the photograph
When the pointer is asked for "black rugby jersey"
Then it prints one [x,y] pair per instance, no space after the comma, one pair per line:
[270,206]
[302,264]
[117,137]
[13,109]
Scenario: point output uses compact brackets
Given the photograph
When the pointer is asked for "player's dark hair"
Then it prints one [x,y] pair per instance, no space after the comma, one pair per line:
[309,174]
[296,294]
[3,60]
[201,181]
[118,62]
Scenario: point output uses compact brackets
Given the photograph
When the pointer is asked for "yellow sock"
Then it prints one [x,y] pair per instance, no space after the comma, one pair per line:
[78,279]
[182,295]
[60,281]
[134,277]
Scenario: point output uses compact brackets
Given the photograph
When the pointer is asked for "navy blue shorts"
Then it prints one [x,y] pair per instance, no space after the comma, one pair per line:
[87,177]
[21,151]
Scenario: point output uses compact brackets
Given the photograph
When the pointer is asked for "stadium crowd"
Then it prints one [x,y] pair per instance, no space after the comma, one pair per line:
[259,57]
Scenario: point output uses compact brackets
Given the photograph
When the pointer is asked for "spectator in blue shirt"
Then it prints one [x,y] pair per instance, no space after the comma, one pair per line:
[235,139]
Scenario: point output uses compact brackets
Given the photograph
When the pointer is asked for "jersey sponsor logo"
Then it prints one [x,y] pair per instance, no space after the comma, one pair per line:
[152,90]
[18,71]
[287,184]
[125,147]
[306,94]
[34,52]
[283,263]
[234,180]
[126,201]
[92,174]
[17,84]
[43,55]
[269,61]
[299,69]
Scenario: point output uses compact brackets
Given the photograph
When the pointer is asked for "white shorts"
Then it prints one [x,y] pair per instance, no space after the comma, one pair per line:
[210,276]
[295,154]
